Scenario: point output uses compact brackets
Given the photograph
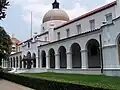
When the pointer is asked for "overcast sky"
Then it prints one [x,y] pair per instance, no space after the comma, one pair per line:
[17,21]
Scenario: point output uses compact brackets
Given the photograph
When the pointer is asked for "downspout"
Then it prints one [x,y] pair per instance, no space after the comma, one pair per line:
[101,53]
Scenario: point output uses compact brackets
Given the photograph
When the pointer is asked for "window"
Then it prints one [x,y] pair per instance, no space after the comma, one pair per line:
[109,17]
[45,38]
[68,32]
[43,28]
[13,48]
[58,35]
[28,44]
[92,24]
[78,29]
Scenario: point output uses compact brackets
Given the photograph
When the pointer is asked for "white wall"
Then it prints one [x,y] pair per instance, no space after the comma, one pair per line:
[109,39]
[118,8]
[49,26]
[85,26]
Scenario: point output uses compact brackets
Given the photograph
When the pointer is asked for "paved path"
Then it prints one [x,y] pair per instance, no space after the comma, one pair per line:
[6,85]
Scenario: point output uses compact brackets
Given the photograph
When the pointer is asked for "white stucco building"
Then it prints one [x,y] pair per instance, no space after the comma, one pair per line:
[88,44]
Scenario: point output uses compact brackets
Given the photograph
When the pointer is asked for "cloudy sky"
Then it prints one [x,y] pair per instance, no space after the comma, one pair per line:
[17,22]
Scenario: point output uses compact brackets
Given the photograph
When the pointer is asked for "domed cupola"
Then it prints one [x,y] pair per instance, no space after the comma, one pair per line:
[55,13]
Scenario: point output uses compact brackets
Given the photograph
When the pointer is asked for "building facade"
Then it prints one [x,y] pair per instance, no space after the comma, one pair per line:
[88,44]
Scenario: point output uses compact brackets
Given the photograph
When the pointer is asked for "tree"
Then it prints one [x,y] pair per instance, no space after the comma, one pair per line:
[3,7]
[5,44]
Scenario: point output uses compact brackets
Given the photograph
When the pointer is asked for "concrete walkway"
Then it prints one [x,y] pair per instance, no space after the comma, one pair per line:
[6,85]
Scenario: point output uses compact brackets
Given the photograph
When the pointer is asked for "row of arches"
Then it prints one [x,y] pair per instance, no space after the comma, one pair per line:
[93,55]
[27,61]
[14,62]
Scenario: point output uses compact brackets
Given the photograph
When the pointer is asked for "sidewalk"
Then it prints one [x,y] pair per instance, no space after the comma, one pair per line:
[6,85]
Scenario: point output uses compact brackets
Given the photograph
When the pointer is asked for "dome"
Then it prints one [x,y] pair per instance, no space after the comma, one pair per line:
[55,14]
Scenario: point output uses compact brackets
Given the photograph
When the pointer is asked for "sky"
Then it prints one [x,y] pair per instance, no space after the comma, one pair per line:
[17,21]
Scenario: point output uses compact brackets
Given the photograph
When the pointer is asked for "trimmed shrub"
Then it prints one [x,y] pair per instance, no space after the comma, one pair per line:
[41,84]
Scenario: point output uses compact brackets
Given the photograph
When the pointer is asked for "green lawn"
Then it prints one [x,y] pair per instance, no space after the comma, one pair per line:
[89,80]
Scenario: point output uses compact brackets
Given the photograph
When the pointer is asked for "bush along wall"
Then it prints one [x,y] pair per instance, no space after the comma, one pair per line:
[41,84]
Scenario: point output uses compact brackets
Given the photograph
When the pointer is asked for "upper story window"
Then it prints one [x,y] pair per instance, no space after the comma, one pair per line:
[68,32]
[13,48]
[45,38]
[78,28]
[58,35]
[43,29]
[108,17]
[92,24]
[28,44]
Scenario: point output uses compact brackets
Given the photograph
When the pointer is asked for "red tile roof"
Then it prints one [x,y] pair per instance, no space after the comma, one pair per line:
[88,14]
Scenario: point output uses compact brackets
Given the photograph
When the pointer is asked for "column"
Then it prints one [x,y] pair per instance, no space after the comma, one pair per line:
[57,61]
[6,63]
[69,60]
[37,66]
[22,64]
[40,61]
[18,63]
[84,59]
[32,66]
[10,63]
[13,63]
[47,62]
[2,63]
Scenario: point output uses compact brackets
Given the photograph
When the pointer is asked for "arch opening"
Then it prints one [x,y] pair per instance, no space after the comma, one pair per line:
[34,60]
[14,62]
[17,62]
[28,61]
[63,57]
[52,58]
[20,62]
[43,54]
[11,63]
[76,55]
[24,62]
[93,54]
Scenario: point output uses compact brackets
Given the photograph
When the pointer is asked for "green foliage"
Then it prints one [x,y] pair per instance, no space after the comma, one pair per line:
[42,84]
[99,81]
[5,44]
[3,7]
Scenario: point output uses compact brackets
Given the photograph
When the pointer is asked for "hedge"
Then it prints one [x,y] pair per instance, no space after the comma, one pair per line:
[41,84]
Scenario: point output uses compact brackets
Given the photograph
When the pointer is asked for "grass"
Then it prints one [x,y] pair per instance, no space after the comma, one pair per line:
[89,80]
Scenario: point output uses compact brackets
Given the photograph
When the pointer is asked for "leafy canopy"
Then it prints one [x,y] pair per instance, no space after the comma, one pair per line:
[5,44]
[3,7]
